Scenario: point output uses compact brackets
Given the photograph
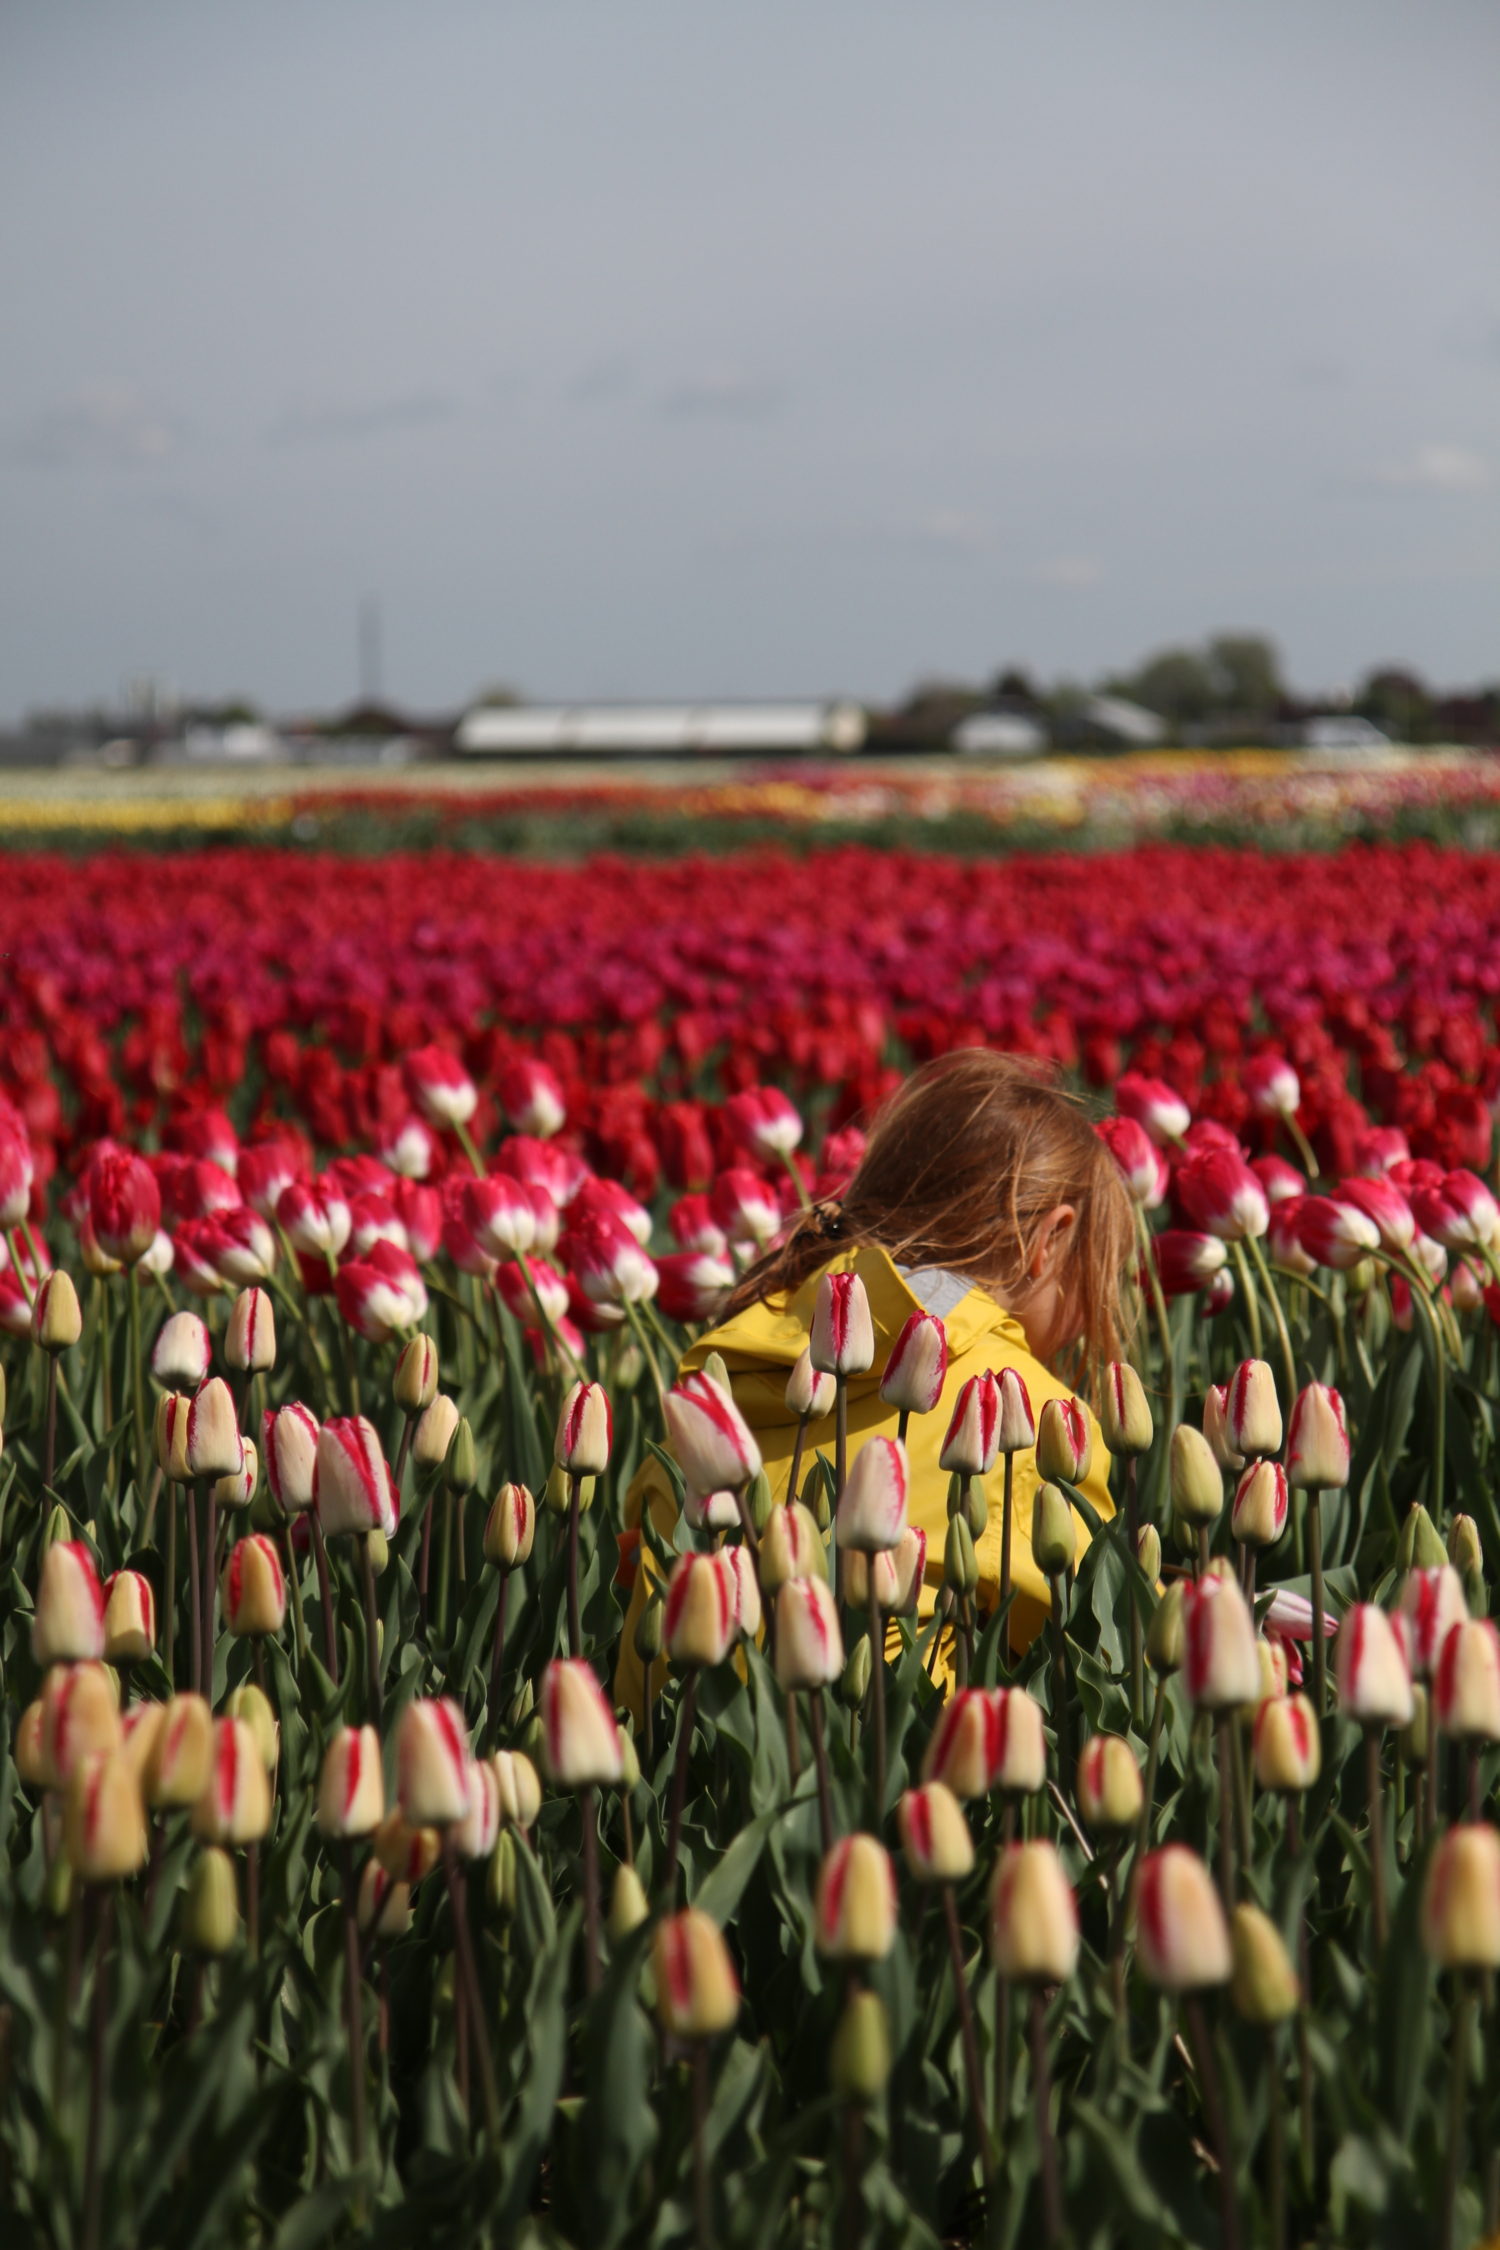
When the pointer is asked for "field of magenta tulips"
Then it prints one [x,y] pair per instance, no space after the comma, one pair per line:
[354,1214]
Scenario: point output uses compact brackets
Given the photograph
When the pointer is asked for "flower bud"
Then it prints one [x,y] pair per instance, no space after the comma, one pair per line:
[860,2058]
[790,1548]
[1260,1505]
[1252,1411]
[972,1444]
[254,1708]
[253,1588]
[434,1432]
[289,1442]
[1110,1790]
[988,1738]
[810,1394]
[433,1765]
[1054,1542]
[585,1431]
[1286,1747]
[935,1834]
[476,1832]
[918,1365]
[213,1431]
[760,1501]
[236,1492]
[1166,1634]
[1221,1661]
[415,1381]
[976,1508]
[1464,1549]
[250,1337]
[384,1909]
[1466,1682]
[809,1644]
[1197,1483]
[1415,1737]
[406,1853]
[1317,1449]
[628,1907]
[26,1747]
[352,1488]
[709,1436]
[351,1786]
[170,1436]
[580,1740]
[1017,1430]
[1418,1546]
[1374,1685]
[895,1578]
[1216,1427]
[1264,1986]
[1148,1551]
[209,1922]
[80,1715]
[181,1755]
[701,1611]
[510,1527]
[235,1807]
[711,1511]
[855,1913]
[872,1509]
[842,1338]
[1182,1940]
[747,1603]
[129,1617]
[1461,1900]
[56,1317]
[697,1991]
[650,1631]
[1064,1443]
[1432,1603]
[104,1820]
[1125,1414]
[855,1683]
[1033,1916]
[960,1563]
[183,1352]
[68,1625]
[461,1469]
[519,1789]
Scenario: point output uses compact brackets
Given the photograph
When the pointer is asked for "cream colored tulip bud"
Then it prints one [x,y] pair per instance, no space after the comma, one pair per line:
[1317,1443]
[213,1431]
[1466,1682]
[697,1991]
[809,1394]
[701,1611]
[235,1807]
[1197,1482]
[1166,1633]
[1064,1442]
[384,1909]
[855,1684]
[252,1587]
[26,1747]
[1464,1549]
[183,1352]
[1148,1551]
[1261,1502]
[872,1509]
[104,1823]
[1461,1901]
[238,1491]
[1264,1986]
[1252,1411]
[414,1384]
[1054,1541]
[1287,1749]
[1110,1789]
[510,1527]
[842,1337]
[854,1918]
[432,1762]
[628,1905]
[80,1714]
[747,1601]
[1432,1603]
[56,1318]
[129,1618]
[580,1739]
[809,1642]
[171,1437]
[406,1853]
[250,1337]
[254,1708]
[790,1548]
[209,1922]
[1419,1547]
[988,1738]
[181,1754]
[585,1431]
[351,1786]
[1033,1916]
[520,1790]
[461,1469]
[860,2058]
[1182,1939]
[935,1834]
[1216,1428]
[1125,1412]
[67,1625]
[475,1834]
[434,1432]
[1221,1659]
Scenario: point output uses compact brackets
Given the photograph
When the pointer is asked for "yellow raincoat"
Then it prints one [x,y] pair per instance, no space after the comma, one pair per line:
[759,1347]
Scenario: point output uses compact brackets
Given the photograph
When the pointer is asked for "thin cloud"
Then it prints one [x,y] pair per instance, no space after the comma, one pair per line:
[951,527]
[722,395]
[320,425]
[1071,572]
[1439,468]
[603,381]
[99,427]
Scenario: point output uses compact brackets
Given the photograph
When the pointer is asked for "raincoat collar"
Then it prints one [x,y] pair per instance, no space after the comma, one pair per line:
[779,1334]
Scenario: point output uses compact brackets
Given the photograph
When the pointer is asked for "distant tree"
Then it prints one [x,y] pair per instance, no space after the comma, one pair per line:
[500,697]
[1398,702]
[1247,674]
[1177,682]
[1015,686]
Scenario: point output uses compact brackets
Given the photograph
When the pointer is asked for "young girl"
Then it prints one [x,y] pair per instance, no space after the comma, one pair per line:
[985,1197]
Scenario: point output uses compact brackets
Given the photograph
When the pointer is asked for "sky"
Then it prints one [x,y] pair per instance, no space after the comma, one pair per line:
[808,347]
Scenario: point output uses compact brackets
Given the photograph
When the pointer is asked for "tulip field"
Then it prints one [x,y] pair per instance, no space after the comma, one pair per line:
[355,1213]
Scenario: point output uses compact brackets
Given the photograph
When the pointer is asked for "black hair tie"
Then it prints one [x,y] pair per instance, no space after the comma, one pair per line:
[828,1218]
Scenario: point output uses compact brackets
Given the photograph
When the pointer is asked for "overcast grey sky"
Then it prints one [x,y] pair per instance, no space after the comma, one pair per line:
[684,347]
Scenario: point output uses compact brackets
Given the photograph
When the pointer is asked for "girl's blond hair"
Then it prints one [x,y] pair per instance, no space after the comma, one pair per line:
[962,1167]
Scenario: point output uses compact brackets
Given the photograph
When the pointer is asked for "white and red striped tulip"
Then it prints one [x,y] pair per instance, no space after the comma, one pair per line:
[918,1365]
[520,1790]
[1286,1746]
[1466,1682]
[250,1335]
[212,1440]
[747,1601]
[476,1833]
[315,1218]
[1033,1916]
[68,1624]
[809,1644]
[580,1738]
[510,1527]
[1252,1411]
[1261,1503]
[1374,1681]
[988,1738]
[842,1337]
[1220,1662]
[80,1713]
[382,1294]
[440,1087]
[697,1991]
[253,1588]
[1216,1427]
[609,1264]
[500,1215]
[971,1446]
[235,1807]
[129,1617]
[289,1446]
[709,1436]
[352,1488]
[1110,1789]
[1461,1899]
[872,1507]
[935,1834]
[1317,1448]
[104,1822]
[896,1575]
[351,1785]
[1432,1603]
[183,1352]
[791,1546]
[532,1097]
[181,1754]
[810,1394]
[1064,1442]
[854,1916]
[585,1431]
[1182,1939]
[433,1765]
[700,1621]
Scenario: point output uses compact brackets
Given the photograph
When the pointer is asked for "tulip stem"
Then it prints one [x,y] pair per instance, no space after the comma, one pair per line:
[1213,2116]
[294,1580]
[686,1713]
[137,1378]
[1052,2202]
[354,2008]
[424,1561]
[1133,1569]
[1458,2086]
[1276,2160]
[1377,1837]
[49,1449]
[1153,1759]
[648,1353]
[1005,1522]
[702,2192]
[840,1471]
[820,1754]
[798,1445]
[372,1630]
[210,1577]
[1315,1556]
[966,2032]
[589,1811]
[1288,1357]
[1226,1810]
[195,1590]
[877,1689]
[325,1591]
[93,2184]
[1000,2089]
[575,1510]
[1060,1691]
[169,1590]
[497,1660]
[252,1900]
[1252,1300]
[469,1979]
[403,1450]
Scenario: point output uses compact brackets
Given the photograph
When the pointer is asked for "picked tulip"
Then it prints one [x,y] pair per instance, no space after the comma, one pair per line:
[842,1340]
[1064,1444]
[709,1436]
[697,1991]
[68,1624]
[1182,1939]
[918,1365]
[352,1488]
[580,1740]
[872,1509]
[855,1911]
[351,1786]
[1374,1684]
[1033,1916]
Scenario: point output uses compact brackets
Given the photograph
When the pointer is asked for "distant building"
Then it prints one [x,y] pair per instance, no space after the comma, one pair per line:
[1113,718]
[627,730]
[1345,733]
[998,734]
